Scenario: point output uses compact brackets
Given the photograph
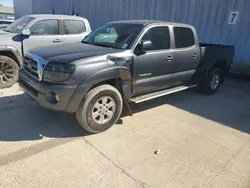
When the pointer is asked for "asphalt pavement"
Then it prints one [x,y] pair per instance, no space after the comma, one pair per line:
[186,139]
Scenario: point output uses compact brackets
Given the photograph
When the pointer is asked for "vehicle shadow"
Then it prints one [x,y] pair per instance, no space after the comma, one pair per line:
[21,118]
[230,106]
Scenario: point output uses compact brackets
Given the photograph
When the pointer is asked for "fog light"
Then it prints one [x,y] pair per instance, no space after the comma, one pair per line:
[52,98]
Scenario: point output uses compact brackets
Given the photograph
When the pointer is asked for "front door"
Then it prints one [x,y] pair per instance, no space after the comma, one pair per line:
[186,55]
[43,33]
[152,70]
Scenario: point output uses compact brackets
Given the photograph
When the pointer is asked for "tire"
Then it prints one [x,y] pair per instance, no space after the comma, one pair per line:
[90,112]
[212,81]
[9,72]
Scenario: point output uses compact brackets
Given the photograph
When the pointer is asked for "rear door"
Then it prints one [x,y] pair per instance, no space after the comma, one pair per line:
[43,33]
[74,31]
[186,54]
[152,70]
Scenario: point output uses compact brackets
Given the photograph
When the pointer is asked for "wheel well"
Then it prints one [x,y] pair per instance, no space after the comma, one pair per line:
[222,65]
[116,82]
[10,55]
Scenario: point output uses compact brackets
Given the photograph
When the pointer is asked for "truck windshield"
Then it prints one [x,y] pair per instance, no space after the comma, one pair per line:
[114,35]
[18,25]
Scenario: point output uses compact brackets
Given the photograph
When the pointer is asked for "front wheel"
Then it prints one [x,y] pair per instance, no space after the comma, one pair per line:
[100,109]
[8,72]
[212,82]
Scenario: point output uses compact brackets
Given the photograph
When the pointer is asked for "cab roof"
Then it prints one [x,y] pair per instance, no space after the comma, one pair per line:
[150,22]
[55,16]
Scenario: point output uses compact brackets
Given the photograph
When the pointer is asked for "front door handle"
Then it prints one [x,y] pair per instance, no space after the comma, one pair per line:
[194,55]
[169,58]
[57,41]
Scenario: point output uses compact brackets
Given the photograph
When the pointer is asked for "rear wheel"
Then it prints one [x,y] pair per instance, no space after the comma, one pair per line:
[212,82]
[8,72]
[100,109]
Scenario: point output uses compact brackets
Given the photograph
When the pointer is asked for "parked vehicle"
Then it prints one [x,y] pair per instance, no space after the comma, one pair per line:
[34,31]
[5,23]
[147,59]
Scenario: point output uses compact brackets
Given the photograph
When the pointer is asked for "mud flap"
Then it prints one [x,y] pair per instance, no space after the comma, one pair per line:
[128,109]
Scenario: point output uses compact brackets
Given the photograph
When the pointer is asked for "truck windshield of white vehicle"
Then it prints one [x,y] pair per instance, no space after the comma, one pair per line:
[18,25]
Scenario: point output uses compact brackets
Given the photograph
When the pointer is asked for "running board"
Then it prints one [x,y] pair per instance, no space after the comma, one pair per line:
[158,94]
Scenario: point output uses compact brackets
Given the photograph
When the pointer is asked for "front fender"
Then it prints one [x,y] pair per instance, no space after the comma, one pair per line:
[14,51]
[114,72]
[122,73]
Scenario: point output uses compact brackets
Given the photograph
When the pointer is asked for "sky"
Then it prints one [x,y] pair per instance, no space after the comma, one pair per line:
[7,2]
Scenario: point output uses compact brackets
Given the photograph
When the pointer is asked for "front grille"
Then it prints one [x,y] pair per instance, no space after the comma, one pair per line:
[30,67]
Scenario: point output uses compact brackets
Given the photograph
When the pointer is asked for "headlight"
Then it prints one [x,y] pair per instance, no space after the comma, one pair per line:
[58,72]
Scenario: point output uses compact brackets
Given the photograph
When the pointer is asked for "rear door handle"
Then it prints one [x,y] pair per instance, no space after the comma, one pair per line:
[194,55]
[169,58]
[57,41]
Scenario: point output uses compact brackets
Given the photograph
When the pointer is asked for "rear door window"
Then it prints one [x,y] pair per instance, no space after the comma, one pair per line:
[184,37]
[73,27]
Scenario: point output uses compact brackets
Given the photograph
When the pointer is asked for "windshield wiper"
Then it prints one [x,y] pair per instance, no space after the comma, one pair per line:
[85,42]
[98,44]
[104,45]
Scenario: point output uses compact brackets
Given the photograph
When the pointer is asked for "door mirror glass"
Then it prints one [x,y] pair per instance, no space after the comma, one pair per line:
[26,32]
[146,45]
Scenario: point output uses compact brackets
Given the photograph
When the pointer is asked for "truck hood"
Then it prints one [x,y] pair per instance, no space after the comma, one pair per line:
[69,52]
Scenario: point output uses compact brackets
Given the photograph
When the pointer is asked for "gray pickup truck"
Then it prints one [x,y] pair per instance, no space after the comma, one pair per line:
[119,63]
[34,31]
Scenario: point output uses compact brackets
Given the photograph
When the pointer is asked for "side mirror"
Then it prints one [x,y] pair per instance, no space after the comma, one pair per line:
[26,32]
[146,45]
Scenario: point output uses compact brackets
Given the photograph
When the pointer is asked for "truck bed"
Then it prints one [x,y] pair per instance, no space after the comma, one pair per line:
[216,53]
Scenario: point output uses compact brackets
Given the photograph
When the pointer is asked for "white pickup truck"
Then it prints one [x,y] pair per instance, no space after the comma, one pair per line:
[34,31]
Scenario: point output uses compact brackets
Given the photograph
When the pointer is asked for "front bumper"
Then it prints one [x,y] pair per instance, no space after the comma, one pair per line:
[52,96]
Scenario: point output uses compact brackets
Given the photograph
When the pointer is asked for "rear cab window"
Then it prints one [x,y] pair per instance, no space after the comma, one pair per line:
[72,27]
[184,37]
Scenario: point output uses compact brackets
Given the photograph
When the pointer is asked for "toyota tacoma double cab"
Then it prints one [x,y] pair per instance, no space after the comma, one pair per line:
[119,63]
[34,31]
